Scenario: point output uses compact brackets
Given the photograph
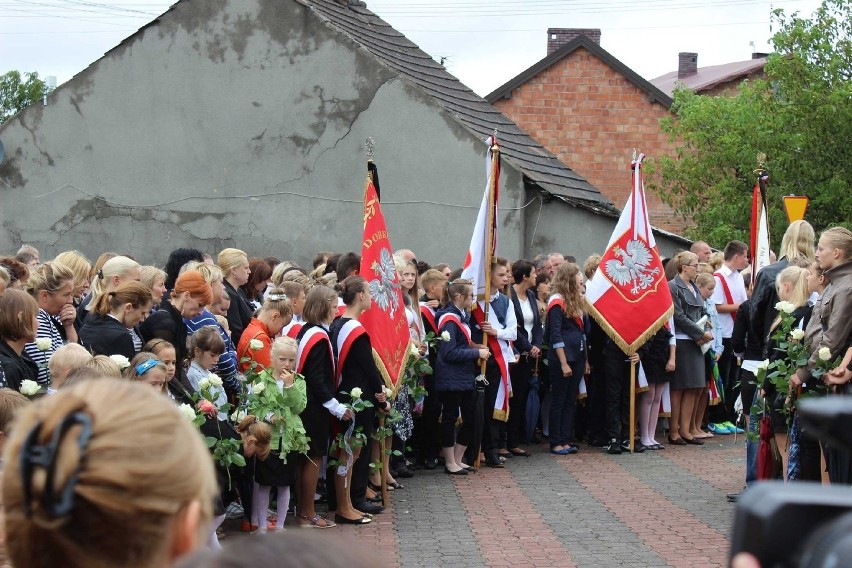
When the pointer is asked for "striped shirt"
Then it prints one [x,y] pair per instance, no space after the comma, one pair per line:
[227,365]
[48,327]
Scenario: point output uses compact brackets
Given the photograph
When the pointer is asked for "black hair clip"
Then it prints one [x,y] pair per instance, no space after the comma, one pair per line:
[101,274]
[35,456]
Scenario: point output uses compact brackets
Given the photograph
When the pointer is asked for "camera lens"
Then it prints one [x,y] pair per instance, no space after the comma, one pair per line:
[830,546]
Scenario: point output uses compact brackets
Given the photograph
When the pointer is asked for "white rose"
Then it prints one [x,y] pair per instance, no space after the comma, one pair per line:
[204,383]
[29,388]
[445,336]
[824,353]
[785,306]
[763,365]
[258,388]
[356,393]
[255,345]
[238,416]
[187,411]
[415,351]
[214,380]
[797,334]
[43,343]
[120,360]
[386,390]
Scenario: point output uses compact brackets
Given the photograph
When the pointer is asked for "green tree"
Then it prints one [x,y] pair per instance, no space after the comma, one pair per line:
[17,91]
[799,115]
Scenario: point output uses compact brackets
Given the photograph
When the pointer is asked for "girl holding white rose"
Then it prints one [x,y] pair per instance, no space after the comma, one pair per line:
[280,395]
[18,325]
[792,286]
[357,377]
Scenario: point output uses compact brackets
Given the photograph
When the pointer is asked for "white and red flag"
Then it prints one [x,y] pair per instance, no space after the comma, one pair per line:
[385,321]
[628,295]
[483,245]
[759,244]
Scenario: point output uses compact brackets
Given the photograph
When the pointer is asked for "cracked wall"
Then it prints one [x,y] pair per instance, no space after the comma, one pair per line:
[241,123]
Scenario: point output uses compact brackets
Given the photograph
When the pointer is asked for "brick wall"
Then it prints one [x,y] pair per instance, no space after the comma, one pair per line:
[592,117]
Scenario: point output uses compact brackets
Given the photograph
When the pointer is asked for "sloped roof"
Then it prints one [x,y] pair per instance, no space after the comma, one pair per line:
[708,77]
[475,113]
[654,94]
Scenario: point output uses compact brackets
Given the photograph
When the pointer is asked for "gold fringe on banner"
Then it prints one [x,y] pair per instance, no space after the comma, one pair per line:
[640,341]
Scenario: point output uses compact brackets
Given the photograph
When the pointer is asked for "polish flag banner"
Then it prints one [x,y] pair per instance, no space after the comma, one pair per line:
[759,245]
[628,295]
[385,321]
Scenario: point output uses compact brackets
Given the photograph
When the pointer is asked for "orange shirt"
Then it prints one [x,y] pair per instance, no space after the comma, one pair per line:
[256,329]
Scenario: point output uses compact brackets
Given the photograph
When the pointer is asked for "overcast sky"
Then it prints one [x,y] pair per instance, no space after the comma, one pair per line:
[486,42]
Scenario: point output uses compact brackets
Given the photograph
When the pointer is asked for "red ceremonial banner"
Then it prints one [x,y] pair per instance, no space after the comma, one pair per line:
[628,295]
[385,321]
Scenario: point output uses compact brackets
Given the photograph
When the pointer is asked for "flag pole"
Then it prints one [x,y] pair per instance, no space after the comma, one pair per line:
[489,254]
[369,147]
[632,405]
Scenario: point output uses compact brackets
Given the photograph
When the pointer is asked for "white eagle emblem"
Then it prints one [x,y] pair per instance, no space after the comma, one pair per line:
[633,268]
[383,289]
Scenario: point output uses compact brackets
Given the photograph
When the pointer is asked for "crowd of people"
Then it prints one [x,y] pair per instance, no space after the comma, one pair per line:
[271,360]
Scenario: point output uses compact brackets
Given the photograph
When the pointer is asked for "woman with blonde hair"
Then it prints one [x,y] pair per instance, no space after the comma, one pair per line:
[235,269]
[52,286]
[81,267]
[115,271]
[108,507]
[155,280]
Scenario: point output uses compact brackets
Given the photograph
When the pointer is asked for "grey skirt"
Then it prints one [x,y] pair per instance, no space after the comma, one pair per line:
[690,371]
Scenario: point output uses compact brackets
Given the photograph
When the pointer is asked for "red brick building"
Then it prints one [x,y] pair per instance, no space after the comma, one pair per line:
[591,110]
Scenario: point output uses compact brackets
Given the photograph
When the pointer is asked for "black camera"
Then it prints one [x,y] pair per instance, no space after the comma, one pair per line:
[801,524]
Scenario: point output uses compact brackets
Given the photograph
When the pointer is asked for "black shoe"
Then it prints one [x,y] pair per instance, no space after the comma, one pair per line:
[430,464]
[637,447]
[614,447]
[732,497]
[459,472]
[403,472]
[341,520]
[367,507]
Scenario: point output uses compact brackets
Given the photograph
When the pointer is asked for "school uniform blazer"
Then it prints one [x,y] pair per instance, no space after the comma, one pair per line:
[565,332]
[105,335]
[359,367]
[318,372]
[453,368]
[167,323]
[524,343]
[688,308]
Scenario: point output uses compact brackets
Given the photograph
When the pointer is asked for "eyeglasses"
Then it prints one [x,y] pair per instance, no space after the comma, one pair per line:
[692,265]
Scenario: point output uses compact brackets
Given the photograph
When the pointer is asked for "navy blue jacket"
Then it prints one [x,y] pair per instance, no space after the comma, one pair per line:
[564,332]
[523,343]
[454,369]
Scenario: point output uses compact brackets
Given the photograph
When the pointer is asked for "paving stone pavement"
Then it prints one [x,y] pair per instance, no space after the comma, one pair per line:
[663,508]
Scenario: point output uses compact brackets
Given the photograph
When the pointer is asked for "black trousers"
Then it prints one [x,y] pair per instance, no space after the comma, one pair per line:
[596,404]
[617,381]
[426,439]
[454,403]
[521,372]
[493,428]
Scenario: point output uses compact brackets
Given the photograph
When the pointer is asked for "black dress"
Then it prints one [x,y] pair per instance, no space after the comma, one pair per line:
[319,378]
[105,335]
[654,355]
[359,370]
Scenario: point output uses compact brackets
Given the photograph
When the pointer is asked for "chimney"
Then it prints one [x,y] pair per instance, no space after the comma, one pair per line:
[759,55]
[687,64]
[557,37]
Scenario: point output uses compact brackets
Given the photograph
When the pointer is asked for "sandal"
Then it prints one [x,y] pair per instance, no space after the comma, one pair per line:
[519,452]
[314,522]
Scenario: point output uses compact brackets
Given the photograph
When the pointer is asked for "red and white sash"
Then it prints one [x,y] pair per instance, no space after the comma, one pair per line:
[313,336]
[428,315]
[341,307]
[350,331]
[729,298]
[555,300]
[465,329]
[503,354]
[292,329]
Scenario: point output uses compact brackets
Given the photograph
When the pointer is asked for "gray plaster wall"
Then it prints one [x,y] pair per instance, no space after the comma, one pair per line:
[242,123]
[560,227]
